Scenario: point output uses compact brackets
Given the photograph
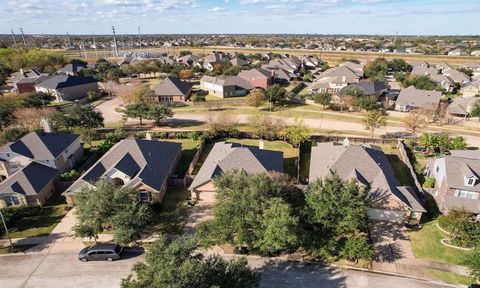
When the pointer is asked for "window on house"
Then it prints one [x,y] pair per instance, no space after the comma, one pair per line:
[11,200]
[470,182]
[467,194]
[144,196]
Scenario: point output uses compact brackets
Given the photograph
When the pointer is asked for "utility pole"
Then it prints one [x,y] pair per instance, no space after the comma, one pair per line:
[114,42]
[6,230]
[23,37]
[139,38]
[14,41]
[68,40]
[95,45]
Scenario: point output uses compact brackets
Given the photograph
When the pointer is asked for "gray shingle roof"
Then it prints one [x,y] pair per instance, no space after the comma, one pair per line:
[28,181]
[41,145]
[172,86]
[462,105]
[228,81]
[148,161]
[367,164]
[226,157]
[417,98]
[62,81]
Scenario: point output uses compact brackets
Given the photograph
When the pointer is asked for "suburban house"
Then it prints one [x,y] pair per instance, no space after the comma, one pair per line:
[357,68]
[457,52]
[418,63]
[456,76]
[284,63]
[474,66]
[190,60]
[172,89]
[226,86]
[280,75]
[225,157]
[457,181]
[73,68]
[369,88]
[145,165]
[26,79]
[258,77]
[334,79]
[462,106]
[66,87]
[239,62]
[369,167]
[215,58]
[29,166]
[311,62]
[424,71]
[412,98]
[471,88]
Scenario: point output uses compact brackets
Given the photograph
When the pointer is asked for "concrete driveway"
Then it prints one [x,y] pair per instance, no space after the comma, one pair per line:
[107,109]
[202,211]
[391,242]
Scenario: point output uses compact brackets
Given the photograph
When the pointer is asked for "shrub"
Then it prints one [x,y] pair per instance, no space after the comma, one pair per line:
[429,182]
[15,213]
[356,248]
[159,135]
[71,175]
[464,231]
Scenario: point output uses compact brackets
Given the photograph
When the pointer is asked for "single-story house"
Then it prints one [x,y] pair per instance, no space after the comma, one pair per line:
[471,88]
[172,89]
[225,157]
[457,181]
[370,168]
[145,165]
[226,86]
[215,58]
[239,62]
[66,87]
[355,67]
[334,79]
[474,66]
[369,88]
[413,98]
[73,68]
[462,106]
[261,78]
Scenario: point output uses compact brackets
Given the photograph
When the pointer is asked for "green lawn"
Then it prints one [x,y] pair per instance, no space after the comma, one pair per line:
[40,224]
[426,245]
[401,170]
[170,216]
[450,277]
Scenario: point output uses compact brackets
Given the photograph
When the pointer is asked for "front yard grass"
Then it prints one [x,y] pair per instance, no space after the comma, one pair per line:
[16,249]
[426,245]
[450,277]
[44,222]
[170,216]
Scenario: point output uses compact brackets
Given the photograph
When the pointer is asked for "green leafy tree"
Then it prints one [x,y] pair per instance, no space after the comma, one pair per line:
[399,65]
[243,210]
[176,264]
[367,103]
[78,116]
[276,94]
[297,133]
[256,98]
[373,120]
[475,112]
[323,98]
[6,117]
[357,247]
[232,70]
[184,53]
[137,110]
[108,206]
[458,143]
[338,207]
[466,71]
[376,69]
[421,82]
[159,113]
[143,94]
[37,99]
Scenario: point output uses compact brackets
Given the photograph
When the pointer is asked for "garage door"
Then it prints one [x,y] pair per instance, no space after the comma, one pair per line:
[386,215]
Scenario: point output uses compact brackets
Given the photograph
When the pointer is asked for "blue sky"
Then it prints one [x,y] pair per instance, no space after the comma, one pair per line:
[436,17]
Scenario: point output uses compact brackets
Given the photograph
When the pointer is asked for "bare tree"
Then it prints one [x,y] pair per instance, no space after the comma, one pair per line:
[29,118]
[125,92]
[110,87]
[415,121]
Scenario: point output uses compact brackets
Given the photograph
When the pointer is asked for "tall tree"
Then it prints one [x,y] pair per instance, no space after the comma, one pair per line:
[373,120]
[475,112]
[276,94]
[159,113]
[138,110]
[78,116]
[323,98]
[143,94]
[256,98]
[297,133]
[177,264]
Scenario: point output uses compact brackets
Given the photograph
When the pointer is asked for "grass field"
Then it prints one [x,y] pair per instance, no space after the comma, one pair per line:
[40,224]
[450,277]
[426,245]
[16,249]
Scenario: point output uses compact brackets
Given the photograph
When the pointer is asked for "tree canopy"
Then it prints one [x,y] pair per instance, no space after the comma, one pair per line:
[176,264]
[78,116]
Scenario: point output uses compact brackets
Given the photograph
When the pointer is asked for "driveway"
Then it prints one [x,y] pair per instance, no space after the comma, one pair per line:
[107,109]
[201,212]
[391,242]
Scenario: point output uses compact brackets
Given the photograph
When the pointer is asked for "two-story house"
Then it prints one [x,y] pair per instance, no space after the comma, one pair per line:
[29,166]
[457,181]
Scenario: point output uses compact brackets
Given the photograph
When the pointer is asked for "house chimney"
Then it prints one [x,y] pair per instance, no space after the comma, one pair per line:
[148,136]
[47,126]
[344,79]
[261,144]
[21,72]
[346,142]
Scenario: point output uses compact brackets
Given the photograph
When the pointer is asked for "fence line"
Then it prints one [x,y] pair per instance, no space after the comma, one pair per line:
[405,159]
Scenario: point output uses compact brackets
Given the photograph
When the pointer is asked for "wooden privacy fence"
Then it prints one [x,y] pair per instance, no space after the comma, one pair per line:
[405,159]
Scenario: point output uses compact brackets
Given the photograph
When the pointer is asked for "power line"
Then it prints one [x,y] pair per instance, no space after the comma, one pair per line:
[95,45]
[23,37]
[114,42]
[14,41]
